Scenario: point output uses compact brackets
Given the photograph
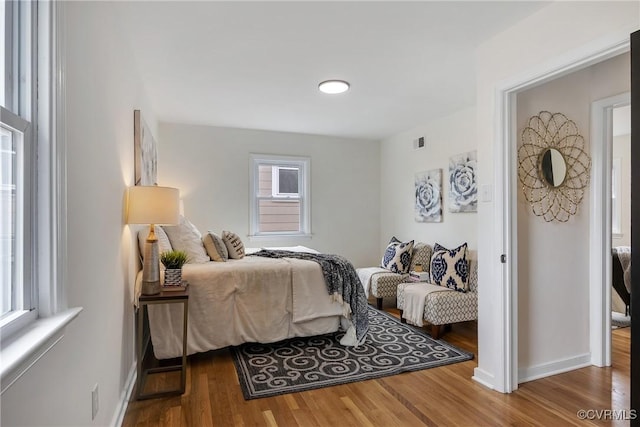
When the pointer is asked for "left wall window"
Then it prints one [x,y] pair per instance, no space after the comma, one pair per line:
[33,227]
[18,111]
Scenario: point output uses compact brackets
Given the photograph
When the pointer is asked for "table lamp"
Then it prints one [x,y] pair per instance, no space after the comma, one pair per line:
[152,205]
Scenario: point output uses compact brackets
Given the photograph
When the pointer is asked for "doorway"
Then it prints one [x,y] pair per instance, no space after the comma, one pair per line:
[506,204]
[601,226]
[621,216]
[556,252]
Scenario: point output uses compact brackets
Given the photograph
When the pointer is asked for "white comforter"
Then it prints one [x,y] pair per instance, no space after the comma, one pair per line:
[253,299]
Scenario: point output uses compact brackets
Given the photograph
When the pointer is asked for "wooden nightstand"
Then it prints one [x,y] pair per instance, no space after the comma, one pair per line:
[143,341]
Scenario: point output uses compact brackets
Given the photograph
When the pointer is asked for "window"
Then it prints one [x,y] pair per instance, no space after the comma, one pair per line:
[32,187]
[285,181]
[15,225]
[279,196]
[17,165]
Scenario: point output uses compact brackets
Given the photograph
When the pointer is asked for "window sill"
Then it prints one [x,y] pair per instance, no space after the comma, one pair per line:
[21,351]
[258,237]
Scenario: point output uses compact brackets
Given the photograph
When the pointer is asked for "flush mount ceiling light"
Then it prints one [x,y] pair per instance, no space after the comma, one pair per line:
[333,86]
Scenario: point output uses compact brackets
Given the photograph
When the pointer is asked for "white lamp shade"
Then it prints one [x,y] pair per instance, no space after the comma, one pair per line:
[153,205]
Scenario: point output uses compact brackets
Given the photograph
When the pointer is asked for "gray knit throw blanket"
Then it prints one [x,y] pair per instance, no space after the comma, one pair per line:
[342,281]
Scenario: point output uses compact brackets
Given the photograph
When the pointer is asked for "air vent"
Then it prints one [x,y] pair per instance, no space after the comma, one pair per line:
[418,143]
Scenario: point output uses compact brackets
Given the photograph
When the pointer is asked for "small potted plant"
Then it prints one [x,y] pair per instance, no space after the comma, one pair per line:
[173,262]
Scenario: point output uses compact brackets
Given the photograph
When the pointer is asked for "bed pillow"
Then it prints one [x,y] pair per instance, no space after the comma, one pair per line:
[164,244]
[397,256]
[215,247]
[235,247]
[450,268]
[186,237]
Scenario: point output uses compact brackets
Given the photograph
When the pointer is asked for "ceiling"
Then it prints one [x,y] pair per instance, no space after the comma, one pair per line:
[257,65]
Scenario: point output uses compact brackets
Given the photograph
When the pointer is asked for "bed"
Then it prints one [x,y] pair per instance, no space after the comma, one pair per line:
[253,299]
[621,274]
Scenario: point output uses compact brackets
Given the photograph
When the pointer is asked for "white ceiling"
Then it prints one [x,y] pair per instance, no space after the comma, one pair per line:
[257,64]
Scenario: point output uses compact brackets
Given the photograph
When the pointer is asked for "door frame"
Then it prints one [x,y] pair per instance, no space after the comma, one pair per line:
[600,227]
[506,176]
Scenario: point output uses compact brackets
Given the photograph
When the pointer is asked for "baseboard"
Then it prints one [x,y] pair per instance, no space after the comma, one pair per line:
[484,378]
[553,368]
[118,416]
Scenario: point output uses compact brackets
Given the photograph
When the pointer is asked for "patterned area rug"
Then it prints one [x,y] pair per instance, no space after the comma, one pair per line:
[308,363]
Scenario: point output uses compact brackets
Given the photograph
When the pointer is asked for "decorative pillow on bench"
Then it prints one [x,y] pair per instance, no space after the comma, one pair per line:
[397,256]
[450,268]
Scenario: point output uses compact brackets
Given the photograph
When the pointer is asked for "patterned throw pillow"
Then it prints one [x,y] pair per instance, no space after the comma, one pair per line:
[215,247]
[234,245]
[397,256]
[450,268]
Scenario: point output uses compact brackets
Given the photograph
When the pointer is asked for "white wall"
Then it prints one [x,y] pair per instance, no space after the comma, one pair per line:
[399,162]
[552,274]
[551,38]
[210,165]
[622,150]
[103,89]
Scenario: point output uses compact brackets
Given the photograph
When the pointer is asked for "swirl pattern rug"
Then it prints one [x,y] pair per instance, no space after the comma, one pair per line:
[307,363]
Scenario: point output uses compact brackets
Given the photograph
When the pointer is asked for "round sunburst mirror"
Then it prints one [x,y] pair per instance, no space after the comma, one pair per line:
[553,166]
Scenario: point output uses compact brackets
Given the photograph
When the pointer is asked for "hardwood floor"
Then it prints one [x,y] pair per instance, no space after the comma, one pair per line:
[443,396]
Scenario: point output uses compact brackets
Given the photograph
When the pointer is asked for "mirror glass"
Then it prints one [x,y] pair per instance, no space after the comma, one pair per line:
[553,168]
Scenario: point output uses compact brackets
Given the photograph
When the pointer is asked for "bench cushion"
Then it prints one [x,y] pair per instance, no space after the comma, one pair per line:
[447,307]
[383,285]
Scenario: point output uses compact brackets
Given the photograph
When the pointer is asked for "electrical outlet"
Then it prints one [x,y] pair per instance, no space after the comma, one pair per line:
[418,143]
[95,402]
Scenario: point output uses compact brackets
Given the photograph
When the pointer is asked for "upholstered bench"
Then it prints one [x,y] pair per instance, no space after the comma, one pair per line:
[384,285]
[446,307]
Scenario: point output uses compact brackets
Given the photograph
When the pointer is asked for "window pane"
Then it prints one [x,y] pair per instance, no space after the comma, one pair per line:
[288,179]
[264,180]
[8,166]
[278,215]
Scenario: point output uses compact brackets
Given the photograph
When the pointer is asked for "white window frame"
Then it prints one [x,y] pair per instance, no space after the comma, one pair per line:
[22,287]
[303,164]
[18,117]
[36,95]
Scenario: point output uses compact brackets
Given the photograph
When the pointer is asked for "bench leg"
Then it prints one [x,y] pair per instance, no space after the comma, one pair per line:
[379,303]
[402,319]
[435,331]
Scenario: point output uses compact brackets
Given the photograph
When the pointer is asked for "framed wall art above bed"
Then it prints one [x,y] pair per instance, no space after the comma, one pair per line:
[145,152]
